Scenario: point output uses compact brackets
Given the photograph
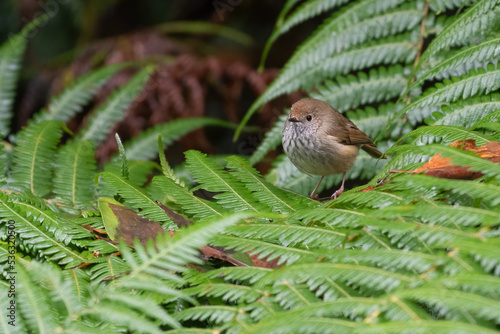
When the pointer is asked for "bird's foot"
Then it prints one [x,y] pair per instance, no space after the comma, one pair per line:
[314,197]
[337,193]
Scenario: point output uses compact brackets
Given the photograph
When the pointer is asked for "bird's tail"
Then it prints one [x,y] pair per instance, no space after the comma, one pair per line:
[373,152]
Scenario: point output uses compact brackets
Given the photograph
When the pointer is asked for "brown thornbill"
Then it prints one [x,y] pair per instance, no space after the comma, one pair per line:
[319,140]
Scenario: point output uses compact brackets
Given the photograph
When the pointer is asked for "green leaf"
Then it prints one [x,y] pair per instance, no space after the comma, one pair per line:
[75,172]
[72,100]
[34,157]
[11,53]
[480,19]
[113,110]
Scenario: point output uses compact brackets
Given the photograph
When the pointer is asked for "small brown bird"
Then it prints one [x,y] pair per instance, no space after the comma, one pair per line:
[319,140]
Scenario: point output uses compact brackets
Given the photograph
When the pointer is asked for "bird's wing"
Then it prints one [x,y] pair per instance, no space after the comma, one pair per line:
[355,136]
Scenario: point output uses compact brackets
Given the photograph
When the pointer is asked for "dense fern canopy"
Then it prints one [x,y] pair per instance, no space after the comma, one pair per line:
[243,252]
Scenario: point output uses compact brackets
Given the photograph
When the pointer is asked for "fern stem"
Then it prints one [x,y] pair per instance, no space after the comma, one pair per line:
[420,47]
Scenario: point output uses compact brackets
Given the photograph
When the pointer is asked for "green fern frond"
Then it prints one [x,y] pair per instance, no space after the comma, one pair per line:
[486,253]
[391,259]
[72,100]
[482,81]
[441,5]
[459,157]
[136,197]
[269,251]
[371,121]
[477,21]
[33,301]
[144,146]
[11,53]
[271,140]
[374,279]
[274,198]
[38,238]
[486,285]
[64,230]
[34,157]
[462,62]
[167,190]
[448,303]
[370,199]
[107,267]
[138,170]
[423,326]
[228,292]
[287,234]
[113,110]
[122,158]
[213,178]
[352,91]
[213,313]
[488,121]
[291,296]
[160,258]
[75,173]
[168,172]
[444,215]
[469,111]
[445,134]
[305,11]
[488,193]
[136,304]
[302,325]
[239,274]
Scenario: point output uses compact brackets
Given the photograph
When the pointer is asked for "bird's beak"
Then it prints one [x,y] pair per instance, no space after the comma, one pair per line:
[293,119]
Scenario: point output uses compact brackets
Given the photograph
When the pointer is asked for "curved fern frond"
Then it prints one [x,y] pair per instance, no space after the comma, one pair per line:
[144,147]
[448,303]
[137,198]
[469,111]
[33,301]
[11,53]
[274,198]
[371,121]
[423,326]
[488,193]
[287,234]
[351,91]
[216,313]
[167,190]
[113,110]
[305,11]
[267,250]
[72,100]
[34,157]
[445,215]
[228,292]
[478,20]
[446,134]
[482,81]
[30,230]
[213,178]
[373,279]
[440,5]
[474,57]
[75,172]
[459,157]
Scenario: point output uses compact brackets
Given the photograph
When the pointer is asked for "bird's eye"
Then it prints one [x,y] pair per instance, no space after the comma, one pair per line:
[309,117]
